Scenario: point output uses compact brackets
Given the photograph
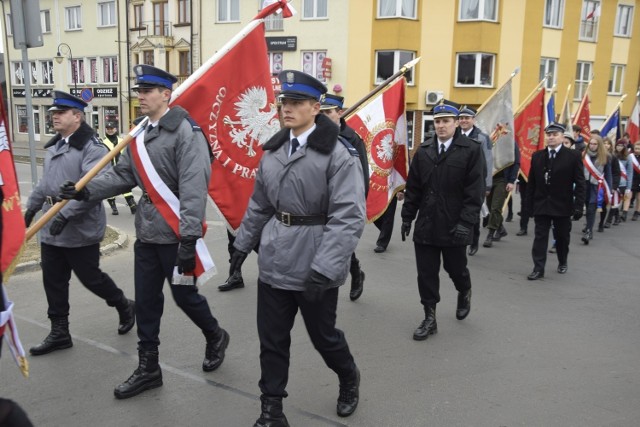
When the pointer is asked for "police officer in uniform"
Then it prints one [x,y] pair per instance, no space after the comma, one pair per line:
[111,139]
[332,107]
[308,205]
[444,191]
[71,240]
[180,155]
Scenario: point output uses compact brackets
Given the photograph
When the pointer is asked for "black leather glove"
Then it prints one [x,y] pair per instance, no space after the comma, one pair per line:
[460,234]
[68,191]
[405,229]
[28,217]
[186,260]
[237,259]
[316,285]
[57,224]
[577,214]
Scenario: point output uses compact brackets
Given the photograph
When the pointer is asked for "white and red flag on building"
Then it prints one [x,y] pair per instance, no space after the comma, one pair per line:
[382,125]
[231,98]
[583,117]
[529,124]
[633,124]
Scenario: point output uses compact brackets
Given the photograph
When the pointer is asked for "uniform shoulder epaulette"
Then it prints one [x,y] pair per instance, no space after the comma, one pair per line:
[475,140]
[193,124]
[97,141]
[348,146]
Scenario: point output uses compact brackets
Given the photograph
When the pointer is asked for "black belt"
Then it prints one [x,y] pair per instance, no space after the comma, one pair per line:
[289,219]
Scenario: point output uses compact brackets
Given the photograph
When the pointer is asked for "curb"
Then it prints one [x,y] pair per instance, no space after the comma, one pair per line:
[121,242]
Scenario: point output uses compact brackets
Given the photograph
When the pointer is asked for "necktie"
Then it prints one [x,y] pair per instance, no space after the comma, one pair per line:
[149,128]
[442,149]
[294,146]
[60,143]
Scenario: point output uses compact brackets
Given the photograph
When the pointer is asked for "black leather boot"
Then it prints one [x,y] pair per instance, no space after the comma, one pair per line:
[147,375]
[500,233]
[234,281]
[464,305]
[272,415]
[58,339]
[357,281]
[349,394]
[623,216]
[214,353]
[127,313]
[635,216]
[488,242]
[131,202]
[428,326]
[114,209]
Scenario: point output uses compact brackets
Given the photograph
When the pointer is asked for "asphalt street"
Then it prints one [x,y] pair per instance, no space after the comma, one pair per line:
[562,351]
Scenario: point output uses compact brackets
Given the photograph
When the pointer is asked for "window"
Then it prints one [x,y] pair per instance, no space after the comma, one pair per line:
[583,76]
[147,57]
[616,79]
[312,63]
[110,69]
[397,9]
[77,71]
[184,11]
[548,66]
[160,15]
[46,71]
[93,70]
[275,62]
[274,22]
[184,63]
[9,25]
[36,121]
[21,117]
[478,10]
[589,20]
[314,9]
[33,67]
[553,12]
[48,123]
[228,10]
[73,18]
[45,21]
[107,14]
[138,17]
[390,61]
[623,20]
[18,73]
[474,69]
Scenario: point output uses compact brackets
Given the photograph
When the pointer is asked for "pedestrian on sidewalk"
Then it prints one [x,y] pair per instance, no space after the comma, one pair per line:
[111,139]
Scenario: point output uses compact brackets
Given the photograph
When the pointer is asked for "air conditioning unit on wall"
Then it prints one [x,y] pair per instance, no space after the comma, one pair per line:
[432,97]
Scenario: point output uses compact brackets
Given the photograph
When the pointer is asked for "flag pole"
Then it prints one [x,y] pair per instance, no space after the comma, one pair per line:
[615,108]
[404,69]
[513,74]
[584,97]
[88,177]
[566,100]
[533,93]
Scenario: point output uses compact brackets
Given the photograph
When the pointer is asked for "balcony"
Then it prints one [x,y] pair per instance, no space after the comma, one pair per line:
[154,30]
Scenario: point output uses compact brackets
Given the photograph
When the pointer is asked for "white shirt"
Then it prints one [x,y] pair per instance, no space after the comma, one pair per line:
[446,143]
[556,149]
[302,138]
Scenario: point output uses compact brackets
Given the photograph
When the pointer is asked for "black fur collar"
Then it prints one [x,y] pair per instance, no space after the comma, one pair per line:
[323,139]
[79,138]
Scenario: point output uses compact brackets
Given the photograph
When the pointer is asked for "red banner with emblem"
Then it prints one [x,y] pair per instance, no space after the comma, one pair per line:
[231,98]
[382,125]
[529,127]
[583,118]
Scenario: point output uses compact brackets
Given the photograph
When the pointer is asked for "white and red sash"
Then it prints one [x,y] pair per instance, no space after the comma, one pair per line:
[602,183]
[169,207]
[623,170]
[636,164]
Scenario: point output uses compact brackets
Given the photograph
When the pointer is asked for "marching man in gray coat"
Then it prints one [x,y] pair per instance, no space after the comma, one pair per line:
[308,212]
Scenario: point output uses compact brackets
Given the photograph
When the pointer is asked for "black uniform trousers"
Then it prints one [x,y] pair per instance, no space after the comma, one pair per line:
[524,215]
[562,234]
[153,265]
[277,310]
[454,260]
[57,265]
[385,223]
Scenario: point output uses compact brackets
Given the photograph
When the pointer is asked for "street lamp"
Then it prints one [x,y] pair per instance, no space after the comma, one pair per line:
[59,59]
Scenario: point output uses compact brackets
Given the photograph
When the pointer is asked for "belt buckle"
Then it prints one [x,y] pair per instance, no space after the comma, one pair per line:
[50,200]
[285,218]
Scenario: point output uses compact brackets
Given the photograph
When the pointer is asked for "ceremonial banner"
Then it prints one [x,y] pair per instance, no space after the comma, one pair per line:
[382,125]
[496,119]
[583,118]
[633,124]
[611,127]
[551,109]
[529,125]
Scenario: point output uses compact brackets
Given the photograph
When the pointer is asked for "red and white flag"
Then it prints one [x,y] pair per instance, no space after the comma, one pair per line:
[633,124]
[529,125]
[382,125]
[231,98]
[583,118]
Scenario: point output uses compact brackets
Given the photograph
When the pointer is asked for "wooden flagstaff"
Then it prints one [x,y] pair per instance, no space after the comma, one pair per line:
[88,177]
[615,108]
[533,93]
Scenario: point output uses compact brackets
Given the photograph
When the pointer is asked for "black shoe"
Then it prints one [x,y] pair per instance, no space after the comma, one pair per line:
[607,224]
[428,326]
[114,211]
[272,415]
[535,275]
[500,233]
[357,284]
[131,202]
[586,237]
[147,375]
[485,221]
[562,268]
[488,242]
[464,305]
[522,232]
[635,216]
[214,353]
[473,249]
[600,228]
[379,249]
[509,217]
[349,395]
[623,216]
[234,281]
[553,249]
[127,316]
[58,339]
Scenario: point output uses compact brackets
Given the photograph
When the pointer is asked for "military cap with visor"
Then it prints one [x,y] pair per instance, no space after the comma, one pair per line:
[554,127]
[332,101]
[467,112]
[446,109]
[148,76]
[299,85]
[64,101]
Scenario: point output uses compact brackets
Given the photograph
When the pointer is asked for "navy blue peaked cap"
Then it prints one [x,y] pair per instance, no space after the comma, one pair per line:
[332,101]
[148,76]
[64,101]
[299,85]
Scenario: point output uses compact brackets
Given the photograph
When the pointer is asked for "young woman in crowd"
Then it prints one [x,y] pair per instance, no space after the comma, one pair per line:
[626,178]
[635,187]
[615,179]
[597,173]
